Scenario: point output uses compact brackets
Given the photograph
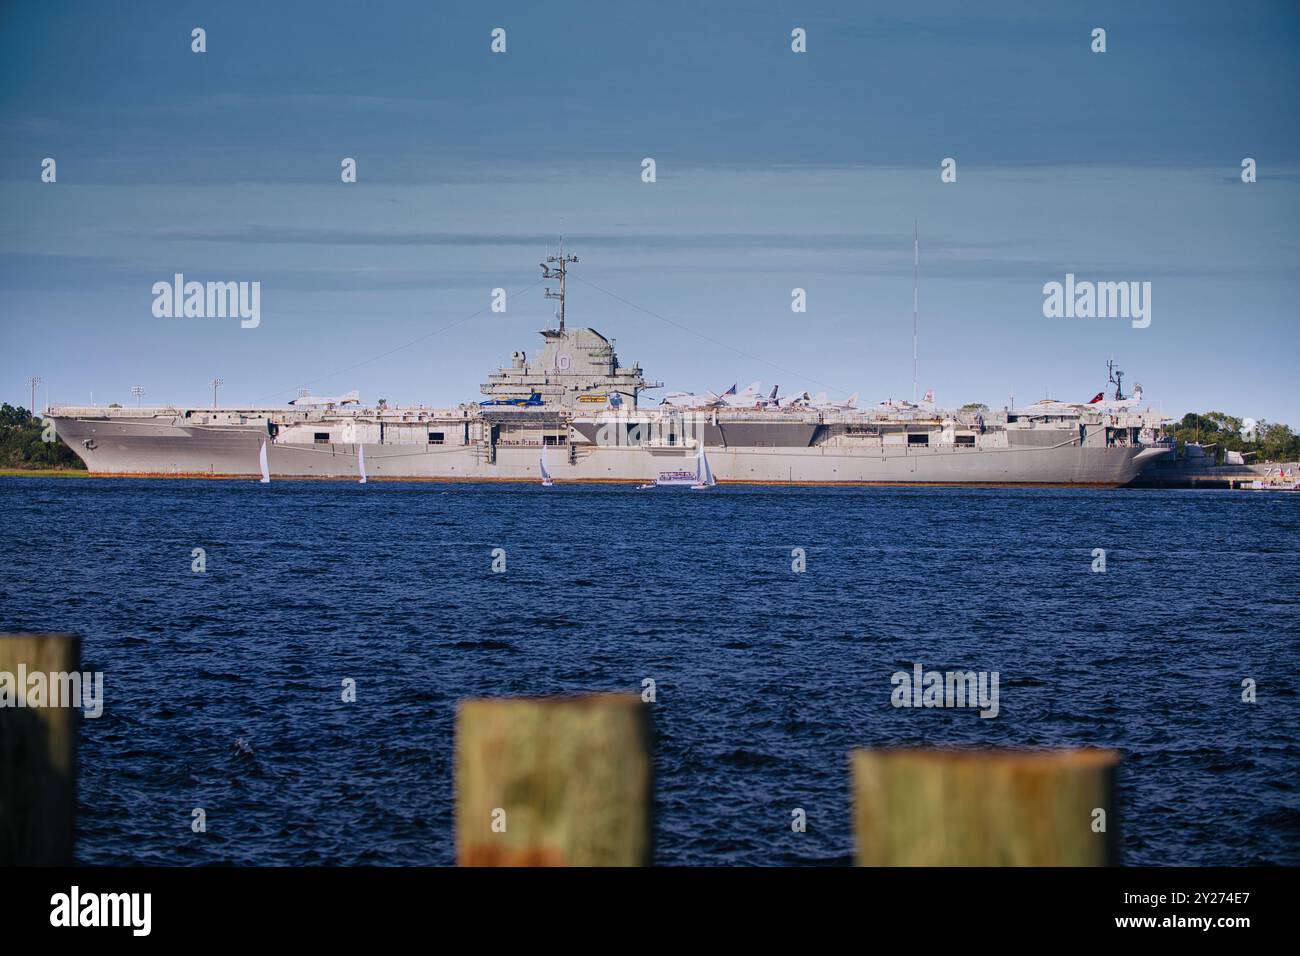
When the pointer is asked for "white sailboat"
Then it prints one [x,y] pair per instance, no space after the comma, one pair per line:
[547,481]
[361,462]
[703,472]
[266,469]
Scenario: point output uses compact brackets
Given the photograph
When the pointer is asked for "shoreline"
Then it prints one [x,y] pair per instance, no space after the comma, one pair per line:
[46,473]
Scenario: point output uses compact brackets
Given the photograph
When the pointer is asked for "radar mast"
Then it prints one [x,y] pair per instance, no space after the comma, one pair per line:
[561,262]
[1116,378]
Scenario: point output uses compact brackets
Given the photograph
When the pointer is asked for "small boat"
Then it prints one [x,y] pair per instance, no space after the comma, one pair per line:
[361,462]
[699,479]
[676,479]
[547,481]
[266,469]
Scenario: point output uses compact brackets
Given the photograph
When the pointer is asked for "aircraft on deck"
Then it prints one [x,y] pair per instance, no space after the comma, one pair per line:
[532,401]
[821,401]
[749,398]
[323,401]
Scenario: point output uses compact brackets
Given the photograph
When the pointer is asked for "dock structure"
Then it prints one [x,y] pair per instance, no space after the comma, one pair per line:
[560,781]
[1203,473]
[950,807]
[38,752]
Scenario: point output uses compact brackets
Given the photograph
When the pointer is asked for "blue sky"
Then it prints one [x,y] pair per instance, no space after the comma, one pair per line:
[775,170]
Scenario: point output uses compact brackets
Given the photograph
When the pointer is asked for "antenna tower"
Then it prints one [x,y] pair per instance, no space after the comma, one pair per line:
[561,263]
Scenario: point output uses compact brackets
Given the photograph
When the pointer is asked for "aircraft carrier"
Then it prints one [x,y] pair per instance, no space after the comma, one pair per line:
[576,412]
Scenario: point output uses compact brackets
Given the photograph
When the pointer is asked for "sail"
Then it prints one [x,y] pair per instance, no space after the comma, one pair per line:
[703,470]
[541,464]
[266,470]
[361,462]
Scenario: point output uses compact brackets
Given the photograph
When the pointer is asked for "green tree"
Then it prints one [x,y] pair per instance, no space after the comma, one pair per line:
[22,443]
[1272,441]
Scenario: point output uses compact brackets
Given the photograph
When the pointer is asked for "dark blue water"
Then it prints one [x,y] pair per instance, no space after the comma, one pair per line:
[766,678]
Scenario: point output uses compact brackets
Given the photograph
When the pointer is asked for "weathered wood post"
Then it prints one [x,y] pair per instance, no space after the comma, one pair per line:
[38,753]
[560,781]
[948,807]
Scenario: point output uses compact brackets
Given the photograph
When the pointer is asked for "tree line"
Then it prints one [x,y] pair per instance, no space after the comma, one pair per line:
[22,443]
[1270,441]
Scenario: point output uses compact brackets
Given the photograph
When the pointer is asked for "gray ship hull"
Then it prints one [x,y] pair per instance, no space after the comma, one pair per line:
[152,447]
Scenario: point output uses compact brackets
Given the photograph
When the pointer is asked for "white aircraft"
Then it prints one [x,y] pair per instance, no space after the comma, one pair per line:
[749,397]
[821,401]
[728,399]
[324,401]
[1119,405]
[897,405]
[776,400]
[797,400]
[1048,406]
[746,399]
[689,400]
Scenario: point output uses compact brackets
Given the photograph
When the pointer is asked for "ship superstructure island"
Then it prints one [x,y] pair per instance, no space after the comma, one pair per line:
[589,418]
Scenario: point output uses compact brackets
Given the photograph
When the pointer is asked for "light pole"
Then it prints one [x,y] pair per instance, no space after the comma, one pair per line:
[137,391]
[33,382]
[216,384]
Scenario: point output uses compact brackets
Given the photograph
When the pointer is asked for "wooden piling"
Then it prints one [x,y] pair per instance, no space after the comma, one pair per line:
[553,781]
[947,807]
[38,754]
